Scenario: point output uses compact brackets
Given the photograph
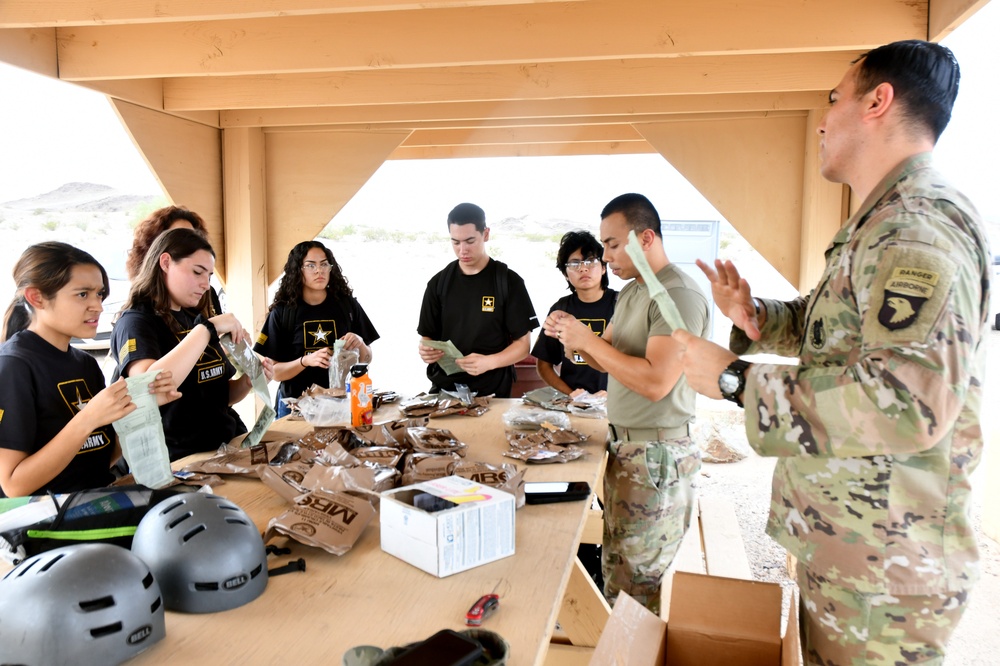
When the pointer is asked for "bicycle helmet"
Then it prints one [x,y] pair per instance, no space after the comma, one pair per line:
[205,552]
[90,603]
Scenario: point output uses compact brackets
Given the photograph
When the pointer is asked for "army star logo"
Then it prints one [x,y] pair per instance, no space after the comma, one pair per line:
[906,291]
[489,303]
[319,335]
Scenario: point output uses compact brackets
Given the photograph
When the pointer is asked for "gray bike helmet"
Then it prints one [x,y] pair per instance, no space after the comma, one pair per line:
[205,552]
[90,603]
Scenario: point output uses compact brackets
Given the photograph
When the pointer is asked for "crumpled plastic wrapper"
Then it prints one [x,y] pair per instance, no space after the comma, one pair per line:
[530,417]
[332,521]
[321,408]
[506,477]
[419,467]
[547,397]
[538,447]
[361,480]
[435,440]
[286,480]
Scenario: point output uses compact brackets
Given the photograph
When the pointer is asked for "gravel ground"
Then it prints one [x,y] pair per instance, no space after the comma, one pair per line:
[747,484]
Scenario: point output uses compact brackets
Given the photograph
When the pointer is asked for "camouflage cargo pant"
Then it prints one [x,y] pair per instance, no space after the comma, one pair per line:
[841,627]
[648,499]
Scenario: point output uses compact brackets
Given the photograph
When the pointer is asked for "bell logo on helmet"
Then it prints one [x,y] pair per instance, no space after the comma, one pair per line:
[235,582]
[139,635]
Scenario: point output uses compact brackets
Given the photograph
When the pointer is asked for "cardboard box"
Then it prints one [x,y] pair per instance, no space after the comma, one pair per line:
[475,527]
[713,622]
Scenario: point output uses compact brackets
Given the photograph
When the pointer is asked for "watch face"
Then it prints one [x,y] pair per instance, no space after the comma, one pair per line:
[729,383]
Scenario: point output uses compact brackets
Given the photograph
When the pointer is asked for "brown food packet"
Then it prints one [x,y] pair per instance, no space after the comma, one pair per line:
[373,435]
[419,467]
[435,440]
[449,406]
[506,477]
[334,454]
[286,480]
[319,438]
[564,436]
[546,453]
[362,480]
[332,521]
[386,456]
[238,461]
[398,428]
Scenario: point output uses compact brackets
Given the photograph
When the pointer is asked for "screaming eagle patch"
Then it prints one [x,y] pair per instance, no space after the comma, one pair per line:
[906,292]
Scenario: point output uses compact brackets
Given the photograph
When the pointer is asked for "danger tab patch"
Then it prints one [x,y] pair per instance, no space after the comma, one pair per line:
[906,292]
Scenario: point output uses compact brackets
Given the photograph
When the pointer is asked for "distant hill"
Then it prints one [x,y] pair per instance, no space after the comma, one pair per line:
[80,197]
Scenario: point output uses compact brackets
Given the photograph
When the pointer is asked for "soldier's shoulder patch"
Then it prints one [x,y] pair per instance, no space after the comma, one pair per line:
[261,338]
[907,294]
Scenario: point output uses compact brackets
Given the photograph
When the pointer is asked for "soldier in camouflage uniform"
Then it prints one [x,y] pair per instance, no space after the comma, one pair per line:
[648,482]
[877,429]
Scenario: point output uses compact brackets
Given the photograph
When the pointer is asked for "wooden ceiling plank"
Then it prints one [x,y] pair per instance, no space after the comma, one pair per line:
[531,135]
[32,13]
[33,50]
[537,33]
[523,150]
[532,110]
[674,76]
[946,15]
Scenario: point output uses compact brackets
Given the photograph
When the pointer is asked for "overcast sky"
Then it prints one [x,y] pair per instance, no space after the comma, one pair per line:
[57,133]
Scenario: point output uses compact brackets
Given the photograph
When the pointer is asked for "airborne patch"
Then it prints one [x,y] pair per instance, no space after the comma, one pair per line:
[489,303]
[906,292]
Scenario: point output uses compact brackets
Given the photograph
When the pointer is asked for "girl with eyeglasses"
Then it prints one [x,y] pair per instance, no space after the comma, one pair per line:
[168,322]
[313,307]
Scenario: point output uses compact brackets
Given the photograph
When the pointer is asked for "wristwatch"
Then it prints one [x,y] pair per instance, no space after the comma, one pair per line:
[732,381]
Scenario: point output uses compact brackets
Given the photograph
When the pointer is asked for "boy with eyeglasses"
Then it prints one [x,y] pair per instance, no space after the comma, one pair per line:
[591,302]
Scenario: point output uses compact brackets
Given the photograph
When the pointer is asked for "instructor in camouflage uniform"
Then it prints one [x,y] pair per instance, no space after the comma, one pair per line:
[877,429]
[648,491]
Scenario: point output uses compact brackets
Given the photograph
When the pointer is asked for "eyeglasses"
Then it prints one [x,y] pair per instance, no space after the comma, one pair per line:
[584,265]
[323,267]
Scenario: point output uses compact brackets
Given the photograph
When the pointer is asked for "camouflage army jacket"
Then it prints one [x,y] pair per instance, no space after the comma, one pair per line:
[878,427]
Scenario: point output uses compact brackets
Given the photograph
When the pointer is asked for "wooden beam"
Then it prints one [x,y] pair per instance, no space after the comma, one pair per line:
[33,50]
[946,15]
[523,135]
[662,76]
[823,210]
[28,13]
[310,177]
[750,170]
[149,93]
[454,114]
[519,34]
[186,158]
[522,150]
[584,610]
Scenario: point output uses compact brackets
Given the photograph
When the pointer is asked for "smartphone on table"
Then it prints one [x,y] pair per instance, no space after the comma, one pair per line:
[445,648]
[546,492]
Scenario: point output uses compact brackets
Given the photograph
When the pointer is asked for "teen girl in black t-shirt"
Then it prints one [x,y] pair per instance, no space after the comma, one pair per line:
[168,323]
[313,307]
[55,412]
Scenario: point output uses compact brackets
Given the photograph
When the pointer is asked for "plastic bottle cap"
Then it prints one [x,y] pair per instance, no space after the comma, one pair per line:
[359,370]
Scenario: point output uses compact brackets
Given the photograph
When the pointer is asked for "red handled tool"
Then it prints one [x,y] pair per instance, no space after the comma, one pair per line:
[483,608]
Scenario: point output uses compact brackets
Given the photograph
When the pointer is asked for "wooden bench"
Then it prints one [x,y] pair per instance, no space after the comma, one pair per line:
[713,545]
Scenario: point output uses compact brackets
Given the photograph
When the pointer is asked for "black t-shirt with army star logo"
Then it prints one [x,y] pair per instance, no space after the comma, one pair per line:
[201,419]
[480,314]
[575,371]
[308,328]
[42,388]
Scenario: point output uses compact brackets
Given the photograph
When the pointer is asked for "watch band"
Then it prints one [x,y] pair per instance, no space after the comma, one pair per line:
[213,334]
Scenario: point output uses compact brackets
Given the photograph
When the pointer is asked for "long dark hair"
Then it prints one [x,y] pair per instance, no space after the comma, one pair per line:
[150,285]
[290,287]
[46,267]
[154,225]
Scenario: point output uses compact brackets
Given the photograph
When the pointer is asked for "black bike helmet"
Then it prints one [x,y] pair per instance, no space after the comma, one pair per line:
[205,552]
[90,603]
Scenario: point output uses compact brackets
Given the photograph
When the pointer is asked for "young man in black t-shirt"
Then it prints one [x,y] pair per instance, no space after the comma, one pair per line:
[592,302]
[481,306]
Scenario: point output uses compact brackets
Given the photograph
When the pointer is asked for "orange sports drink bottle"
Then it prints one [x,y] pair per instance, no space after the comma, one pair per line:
[359,390]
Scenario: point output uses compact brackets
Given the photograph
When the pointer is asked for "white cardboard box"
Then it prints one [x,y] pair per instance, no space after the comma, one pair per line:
[479,528]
